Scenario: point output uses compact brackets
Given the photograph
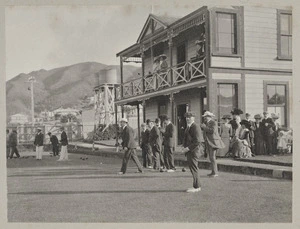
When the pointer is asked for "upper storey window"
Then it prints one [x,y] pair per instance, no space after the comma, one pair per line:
[284,35]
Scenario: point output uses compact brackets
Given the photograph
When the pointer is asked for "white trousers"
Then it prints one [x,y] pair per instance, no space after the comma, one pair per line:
[39,152]
[63,153]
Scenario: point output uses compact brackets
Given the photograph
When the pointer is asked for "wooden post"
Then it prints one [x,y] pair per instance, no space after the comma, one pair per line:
[170,43]
[139,124]
[121,72]
[144,110]
[172,108]
[143,68]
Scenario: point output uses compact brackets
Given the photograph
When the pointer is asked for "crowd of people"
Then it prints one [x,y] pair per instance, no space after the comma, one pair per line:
[12,142]
[246,138]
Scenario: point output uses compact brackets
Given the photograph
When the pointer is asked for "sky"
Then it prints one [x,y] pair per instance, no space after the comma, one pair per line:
[47,37]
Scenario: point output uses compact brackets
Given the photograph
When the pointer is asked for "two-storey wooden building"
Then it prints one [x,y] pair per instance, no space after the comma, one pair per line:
[246,63]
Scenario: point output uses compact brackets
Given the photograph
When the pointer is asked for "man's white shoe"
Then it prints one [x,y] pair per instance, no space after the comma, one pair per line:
[192,190]
[120,173]
[170,170]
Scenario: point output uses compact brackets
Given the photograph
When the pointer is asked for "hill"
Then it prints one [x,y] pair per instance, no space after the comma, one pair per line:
[60,87]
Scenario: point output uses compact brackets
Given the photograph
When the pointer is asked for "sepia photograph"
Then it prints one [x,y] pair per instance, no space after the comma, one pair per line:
[149,112]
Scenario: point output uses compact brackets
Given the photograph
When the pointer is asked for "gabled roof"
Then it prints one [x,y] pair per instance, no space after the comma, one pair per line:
[161,22]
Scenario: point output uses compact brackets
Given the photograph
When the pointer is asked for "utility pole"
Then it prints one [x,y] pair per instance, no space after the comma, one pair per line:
[32,80]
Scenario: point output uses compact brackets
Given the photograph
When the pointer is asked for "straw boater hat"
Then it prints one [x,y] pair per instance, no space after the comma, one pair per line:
[39,128]
[208,114]
[226,116]
[257,116]
[189,114]
[164,56]
[124,120]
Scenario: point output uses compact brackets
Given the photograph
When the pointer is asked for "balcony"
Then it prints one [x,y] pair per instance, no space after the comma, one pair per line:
[182,73]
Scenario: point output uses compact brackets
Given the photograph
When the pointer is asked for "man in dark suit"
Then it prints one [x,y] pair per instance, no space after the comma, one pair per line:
[129,146]
[169,145]
[146,151]
[268,130]
[192,148]
[55,143]
[13,142]
[39,143]
[155,143]
[212,140]
[161,135]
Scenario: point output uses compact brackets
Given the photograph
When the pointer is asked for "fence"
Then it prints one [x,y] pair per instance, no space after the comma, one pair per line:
[26,133]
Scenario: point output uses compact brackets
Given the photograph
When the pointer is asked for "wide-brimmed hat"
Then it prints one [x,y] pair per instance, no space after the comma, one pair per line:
[39,128]
[274,116]
[208,114]
[143,124]
[124,120]
[226,116]
[245,122]
[257,116]
[156,59]
[237,111]
[164,56]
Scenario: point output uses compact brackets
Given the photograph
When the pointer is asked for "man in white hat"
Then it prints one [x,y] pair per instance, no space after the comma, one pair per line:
[212,140]
[129,146]
[39,143]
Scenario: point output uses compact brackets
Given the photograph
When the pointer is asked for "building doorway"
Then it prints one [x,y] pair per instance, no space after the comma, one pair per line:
[181,122]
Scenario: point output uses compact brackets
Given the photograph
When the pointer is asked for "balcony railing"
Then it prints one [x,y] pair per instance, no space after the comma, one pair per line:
[181,73]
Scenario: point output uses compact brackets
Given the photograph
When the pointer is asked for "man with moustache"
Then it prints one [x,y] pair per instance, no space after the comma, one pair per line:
[192,148]
[169,145]
[155,143]
[129,146]
[212,140]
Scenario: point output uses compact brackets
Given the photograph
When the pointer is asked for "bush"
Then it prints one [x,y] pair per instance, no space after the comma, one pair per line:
[103,134]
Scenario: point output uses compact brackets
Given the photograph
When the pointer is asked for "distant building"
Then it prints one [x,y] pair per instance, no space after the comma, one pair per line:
[63,112]
[18,119]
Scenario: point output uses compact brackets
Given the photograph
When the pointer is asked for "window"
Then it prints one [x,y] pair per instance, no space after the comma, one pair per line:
[284,35]
[277,101]
[227,98]
[226,33]
[162,109]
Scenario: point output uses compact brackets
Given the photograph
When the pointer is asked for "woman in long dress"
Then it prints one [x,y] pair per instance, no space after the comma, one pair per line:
[240,143]
[259,143]
[226,134]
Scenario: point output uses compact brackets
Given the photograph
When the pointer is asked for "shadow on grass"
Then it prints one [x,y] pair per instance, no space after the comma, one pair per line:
[93,192]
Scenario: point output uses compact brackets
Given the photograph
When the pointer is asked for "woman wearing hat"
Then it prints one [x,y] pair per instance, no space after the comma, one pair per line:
[235,122]
[241,141]
[259,143]
[163,62]
[226,134]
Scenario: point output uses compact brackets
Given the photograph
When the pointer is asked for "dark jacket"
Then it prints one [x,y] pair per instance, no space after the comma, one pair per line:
[211,135]
[145,138]
[13,140]
[270,129]
[154,138]
[39,139]
[169,135]
[192,139]
[128,138]
[64,139]
[54,140]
